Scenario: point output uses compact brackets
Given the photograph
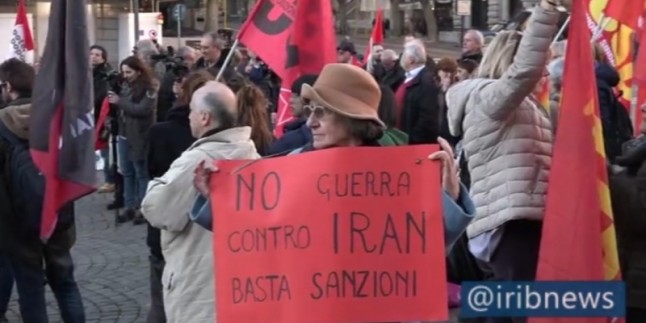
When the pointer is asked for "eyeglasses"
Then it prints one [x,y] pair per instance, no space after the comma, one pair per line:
[318,111]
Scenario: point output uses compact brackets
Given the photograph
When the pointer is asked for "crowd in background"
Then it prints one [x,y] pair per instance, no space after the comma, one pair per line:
[166,115]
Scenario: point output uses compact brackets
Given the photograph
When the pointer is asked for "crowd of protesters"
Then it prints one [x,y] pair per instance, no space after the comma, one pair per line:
[169,118]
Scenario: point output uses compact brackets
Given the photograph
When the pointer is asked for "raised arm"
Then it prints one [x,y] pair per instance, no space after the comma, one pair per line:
[528,66]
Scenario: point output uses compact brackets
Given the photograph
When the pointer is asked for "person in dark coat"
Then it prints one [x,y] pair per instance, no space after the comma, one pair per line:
[184,58]
[136,104]
[393,75]
[167,141]
[472,45]
[418,97]
[31,261]
[612,111]
[101,74]
[628,193]
[214,51]
[296,133]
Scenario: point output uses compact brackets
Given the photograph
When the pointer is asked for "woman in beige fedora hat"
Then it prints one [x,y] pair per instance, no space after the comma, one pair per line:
[341,109]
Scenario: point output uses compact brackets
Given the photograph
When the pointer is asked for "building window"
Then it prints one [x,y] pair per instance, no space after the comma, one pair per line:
[444,15]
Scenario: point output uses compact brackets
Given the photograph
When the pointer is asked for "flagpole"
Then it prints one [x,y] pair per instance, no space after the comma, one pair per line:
[227,60]
[603,22]
[562,30]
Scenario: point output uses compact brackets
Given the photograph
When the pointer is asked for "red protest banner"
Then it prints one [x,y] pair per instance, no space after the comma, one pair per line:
[339,235]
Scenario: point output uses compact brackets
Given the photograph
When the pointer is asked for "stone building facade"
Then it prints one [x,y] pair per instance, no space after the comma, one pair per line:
[500,10]
[484,14]
[496,11]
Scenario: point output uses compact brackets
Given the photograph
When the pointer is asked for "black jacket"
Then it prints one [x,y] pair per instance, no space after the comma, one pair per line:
[420,116]
[168,140]
[166,97]
[100,74]
[615,119]
[136,116]
[393,78]
[19,233]
[628,196]
[201,64]
[477,56]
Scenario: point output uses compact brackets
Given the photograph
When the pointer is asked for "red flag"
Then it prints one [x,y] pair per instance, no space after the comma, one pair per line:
[270,23]
[377,37]
[100,124]
[302,41]
[625,11]
[314,38]
[61,130]
[22,44]
[578,216]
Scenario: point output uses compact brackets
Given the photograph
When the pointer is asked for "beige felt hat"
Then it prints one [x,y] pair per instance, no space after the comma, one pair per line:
[347,90]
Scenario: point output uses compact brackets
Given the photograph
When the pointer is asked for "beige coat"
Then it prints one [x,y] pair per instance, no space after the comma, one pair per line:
[507,137]
[188,277]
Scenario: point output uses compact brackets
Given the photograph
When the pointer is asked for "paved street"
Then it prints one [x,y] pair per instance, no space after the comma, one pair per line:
[111,267]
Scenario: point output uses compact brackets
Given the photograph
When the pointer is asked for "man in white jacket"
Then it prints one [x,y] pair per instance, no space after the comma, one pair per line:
[188,276]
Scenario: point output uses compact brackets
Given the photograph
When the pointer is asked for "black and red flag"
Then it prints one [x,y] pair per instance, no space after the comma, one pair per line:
[61,134]
[293,38]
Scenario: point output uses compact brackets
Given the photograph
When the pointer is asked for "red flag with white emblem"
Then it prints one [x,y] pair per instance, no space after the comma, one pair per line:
[22,44]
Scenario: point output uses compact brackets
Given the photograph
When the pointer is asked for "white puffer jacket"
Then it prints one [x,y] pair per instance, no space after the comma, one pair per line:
[507,136]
